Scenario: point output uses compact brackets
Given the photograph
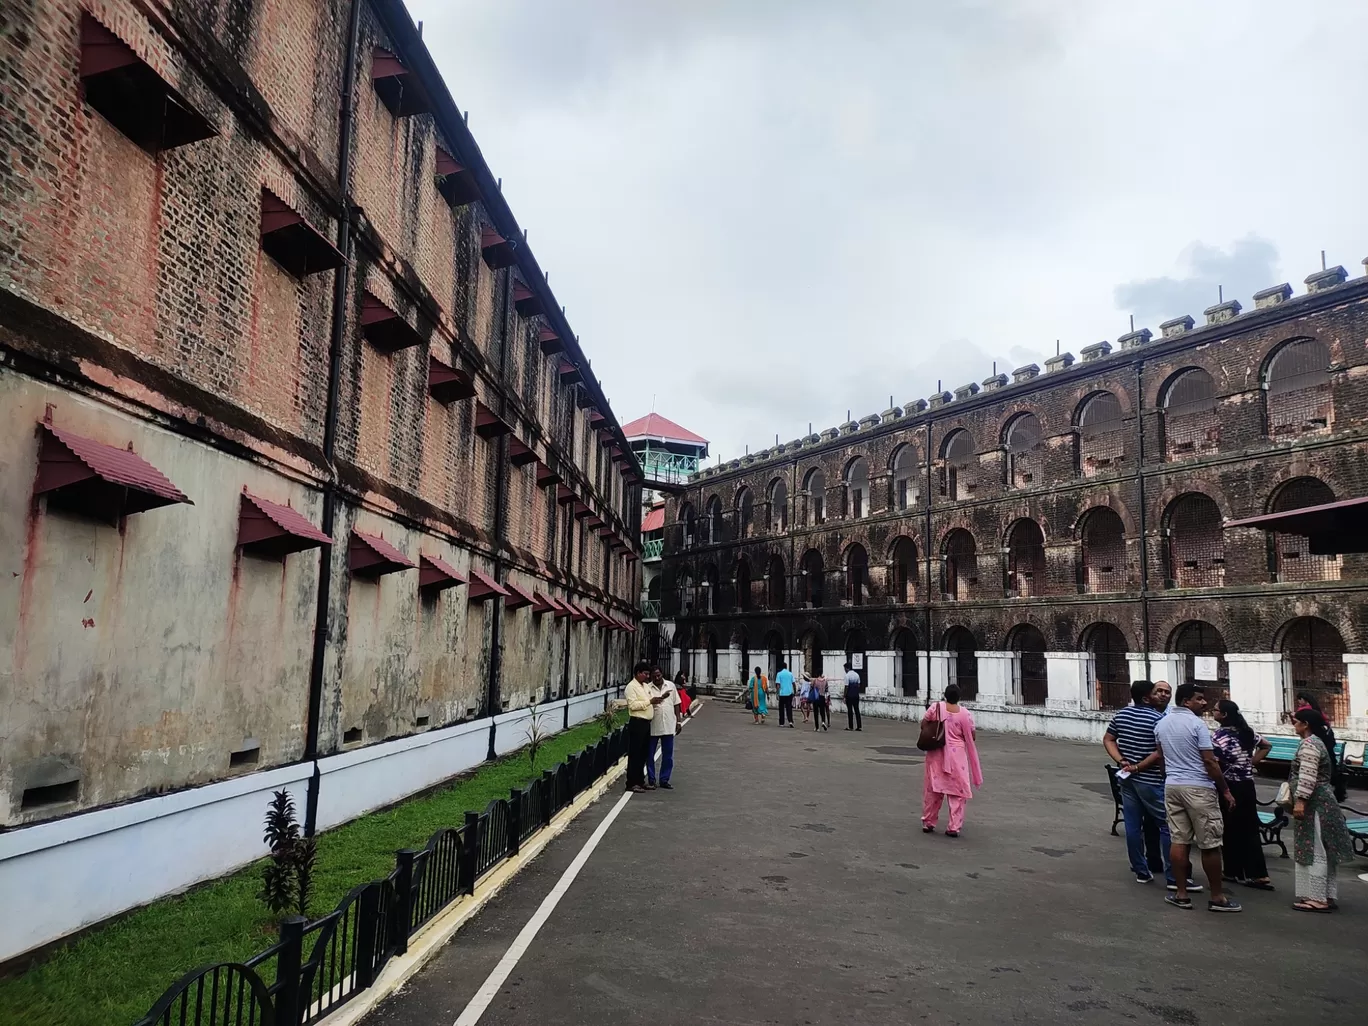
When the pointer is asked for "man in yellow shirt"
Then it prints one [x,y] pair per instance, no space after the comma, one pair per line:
[640,709]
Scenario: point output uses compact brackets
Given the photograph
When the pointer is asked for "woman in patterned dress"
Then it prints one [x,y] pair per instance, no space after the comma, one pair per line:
[1321,839]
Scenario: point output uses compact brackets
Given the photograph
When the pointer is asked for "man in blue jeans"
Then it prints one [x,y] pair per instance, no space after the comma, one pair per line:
[784,678]
[1130,743]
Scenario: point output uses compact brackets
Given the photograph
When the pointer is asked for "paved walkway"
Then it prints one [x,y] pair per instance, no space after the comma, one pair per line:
[785,880]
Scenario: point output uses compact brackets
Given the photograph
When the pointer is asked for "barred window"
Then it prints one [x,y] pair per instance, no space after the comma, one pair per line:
[1314,654]
[1191,426]
[1298,390]
[857,488]
[1111,671]
[1026,560]
[743,583]
[1103,551]
[813,574]
[857,575]
[778,500]
[1032,685]
[959,642]
[1292,556]
[688,525]
[1101,435]
[707,592]
[1197,638]
[1196,547]
[745,508]
[957,456]
[814,490]
[776,583]
[903,570]
[715,521]
[905,478]
[1025,451]
[960,574]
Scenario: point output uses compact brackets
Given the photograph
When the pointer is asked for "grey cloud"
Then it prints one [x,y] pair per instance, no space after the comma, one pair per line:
[1250,264]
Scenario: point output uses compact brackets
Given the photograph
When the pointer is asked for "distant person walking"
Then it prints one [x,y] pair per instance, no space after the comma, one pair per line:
[805,696]
[1130,742]
[821,705]
[640,710]
[852,699]
[784,679]
[757,690]
[681,683]
[1321,839]
[1238,750]
[665,722]
[953,770]
[1192,780]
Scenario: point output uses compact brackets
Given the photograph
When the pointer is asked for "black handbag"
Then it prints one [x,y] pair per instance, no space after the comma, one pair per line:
[932,734]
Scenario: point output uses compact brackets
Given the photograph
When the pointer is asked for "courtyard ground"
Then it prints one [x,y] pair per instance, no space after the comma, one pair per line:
[786,880]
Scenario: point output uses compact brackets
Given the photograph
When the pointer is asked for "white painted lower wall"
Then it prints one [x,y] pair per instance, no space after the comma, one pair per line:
[63,875]
[1069,725]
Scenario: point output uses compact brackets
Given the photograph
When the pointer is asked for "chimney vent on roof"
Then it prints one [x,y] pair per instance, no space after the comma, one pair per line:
[938,400]
[995,382]
[1272,297]
[966,391]
[1134,339]
[1177,326]
[1319,281]
[914,407]
[1096,351]
[1058,363]
[1222,312]
[1025,373]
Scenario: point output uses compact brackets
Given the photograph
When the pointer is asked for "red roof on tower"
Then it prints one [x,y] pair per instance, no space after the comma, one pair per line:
[653,425]
[654,520]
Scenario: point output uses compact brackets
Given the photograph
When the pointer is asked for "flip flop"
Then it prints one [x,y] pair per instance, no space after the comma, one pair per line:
[1302,906]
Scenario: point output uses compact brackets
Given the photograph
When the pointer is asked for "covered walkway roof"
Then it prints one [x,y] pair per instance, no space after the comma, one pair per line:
[1331,529]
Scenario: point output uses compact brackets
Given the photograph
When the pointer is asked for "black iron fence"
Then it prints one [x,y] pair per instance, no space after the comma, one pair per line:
[347,948]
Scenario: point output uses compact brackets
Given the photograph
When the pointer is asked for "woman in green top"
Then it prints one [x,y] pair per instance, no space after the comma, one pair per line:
[758,692]
[1321,839]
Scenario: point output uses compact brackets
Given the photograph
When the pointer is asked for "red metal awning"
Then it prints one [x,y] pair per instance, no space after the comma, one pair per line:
[448,384]
[483,587]
[577,614]
[267,528]
[1330,529]
[435,573]
[593,522]
[561,607]
[137,101]
[455,181]
[291,241]
[546,476]
[369,555]
[564,495]
[544,603]
[518,596]
[525,301]
[519,454]
[630,628]
[489,424]
[654,520]
[384,328]
[550,342]
[581,510]
[398,90]
[569,373]
[99,480]
[496,251]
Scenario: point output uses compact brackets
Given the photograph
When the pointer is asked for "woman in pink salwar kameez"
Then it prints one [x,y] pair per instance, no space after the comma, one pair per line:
[952,771]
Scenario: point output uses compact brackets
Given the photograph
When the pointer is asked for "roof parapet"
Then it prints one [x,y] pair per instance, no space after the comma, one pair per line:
[1096,351]
[1177,326]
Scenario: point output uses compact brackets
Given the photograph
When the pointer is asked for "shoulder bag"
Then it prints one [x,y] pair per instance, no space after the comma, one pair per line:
[932,735]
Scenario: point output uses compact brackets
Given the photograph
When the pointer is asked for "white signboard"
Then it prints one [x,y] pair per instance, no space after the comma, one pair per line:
[1204,667]
[857,660]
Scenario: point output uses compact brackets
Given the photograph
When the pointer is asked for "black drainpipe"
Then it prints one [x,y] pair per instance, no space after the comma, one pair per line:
[500,519]
[341,281]
[1144,519]
[930,587]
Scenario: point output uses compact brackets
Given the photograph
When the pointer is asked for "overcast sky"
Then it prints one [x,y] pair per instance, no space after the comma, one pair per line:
[765,213]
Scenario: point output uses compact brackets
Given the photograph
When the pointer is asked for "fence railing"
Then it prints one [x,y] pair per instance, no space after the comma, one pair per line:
[650,609]
[651,548]
[347,948]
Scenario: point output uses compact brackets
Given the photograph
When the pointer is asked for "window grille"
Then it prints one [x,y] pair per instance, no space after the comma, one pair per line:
[961,565]
[1191,426]
[1292,555]
[1104,552]
[1299,398]
[1032,682]
[1025,445]
[1314,653]
[1102,436]
[1195,543]
[1026,560]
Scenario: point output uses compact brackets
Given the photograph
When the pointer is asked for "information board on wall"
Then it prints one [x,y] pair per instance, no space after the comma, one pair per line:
[857,660]
[1204,668]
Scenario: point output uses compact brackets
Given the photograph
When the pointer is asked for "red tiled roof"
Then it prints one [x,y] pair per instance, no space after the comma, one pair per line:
[654,520]
[118,466]
[287,518]
[653,425]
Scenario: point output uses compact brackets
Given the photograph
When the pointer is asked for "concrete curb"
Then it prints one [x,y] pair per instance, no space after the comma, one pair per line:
[427,942]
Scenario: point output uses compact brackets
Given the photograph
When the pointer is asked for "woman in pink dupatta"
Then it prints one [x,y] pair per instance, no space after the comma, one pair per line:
[952,771]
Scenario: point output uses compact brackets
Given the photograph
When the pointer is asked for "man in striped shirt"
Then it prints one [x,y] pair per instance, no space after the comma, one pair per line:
[1130,743]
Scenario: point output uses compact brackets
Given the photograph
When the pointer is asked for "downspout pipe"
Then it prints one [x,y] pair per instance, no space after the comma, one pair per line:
[341,285]
[492,702]
[930,587]
[1144,517]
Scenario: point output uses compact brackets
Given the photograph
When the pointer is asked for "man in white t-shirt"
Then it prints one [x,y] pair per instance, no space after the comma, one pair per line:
[664,725]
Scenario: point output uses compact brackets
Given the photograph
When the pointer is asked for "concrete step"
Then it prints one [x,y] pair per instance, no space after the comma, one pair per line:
[723,692]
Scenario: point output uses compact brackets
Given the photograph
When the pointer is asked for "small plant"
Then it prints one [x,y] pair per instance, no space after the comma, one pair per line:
[287,881]
[537,736]
[608,720]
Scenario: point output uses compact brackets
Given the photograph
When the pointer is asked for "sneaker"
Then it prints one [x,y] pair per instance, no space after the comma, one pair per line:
[1229,905]
[667,785]
[1178,902]
[1144,878]
[1193,885]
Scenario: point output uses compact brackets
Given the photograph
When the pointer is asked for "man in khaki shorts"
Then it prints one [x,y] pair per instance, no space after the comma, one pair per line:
[1192,778]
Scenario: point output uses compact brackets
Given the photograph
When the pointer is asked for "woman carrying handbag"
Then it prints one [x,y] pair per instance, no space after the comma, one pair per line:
[952,762]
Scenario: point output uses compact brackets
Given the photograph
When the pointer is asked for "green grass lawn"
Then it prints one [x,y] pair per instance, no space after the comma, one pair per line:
[112,976]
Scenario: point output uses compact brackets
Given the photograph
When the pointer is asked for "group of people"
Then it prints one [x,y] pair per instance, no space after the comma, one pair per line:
[1195,788]
[656,710]
[813,694]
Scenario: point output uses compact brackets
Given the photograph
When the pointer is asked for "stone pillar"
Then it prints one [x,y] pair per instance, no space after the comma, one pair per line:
[1068,682]
[933,673]
[1162,666]
[997,677]
[1356,674]
[833,664]
[879,674]
[728,660]
[1257,685]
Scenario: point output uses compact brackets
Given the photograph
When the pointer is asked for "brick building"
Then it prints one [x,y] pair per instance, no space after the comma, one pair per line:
[297,449]
[1044,538]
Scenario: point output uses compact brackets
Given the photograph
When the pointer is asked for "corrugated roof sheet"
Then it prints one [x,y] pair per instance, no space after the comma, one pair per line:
[118,466]
[485,586]
[434,571]
[287,518]
[654,520]
[520,596]
[383,549]
[653,425]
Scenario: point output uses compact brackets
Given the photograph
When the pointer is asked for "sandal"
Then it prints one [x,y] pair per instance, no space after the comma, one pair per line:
[1259,885]
[1306,906]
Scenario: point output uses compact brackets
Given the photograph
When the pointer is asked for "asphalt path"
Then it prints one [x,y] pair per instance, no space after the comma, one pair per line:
[786,880]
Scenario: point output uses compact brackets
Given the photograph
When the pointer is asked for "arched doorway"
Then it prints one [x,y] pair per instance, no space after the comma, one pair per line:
[905,669]
[1110,670]
[959,642]
[811,645]
[743,583]
[775,581]
[712,658]
[857,574]
[1313,660]
[1203,651]
[902,570]
[774,648]
[1032,683]
[856,655]
[743,653]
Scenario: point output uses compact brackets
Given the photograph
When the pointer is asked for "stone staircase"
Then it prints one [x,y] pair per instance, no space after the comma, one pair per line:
[726,691]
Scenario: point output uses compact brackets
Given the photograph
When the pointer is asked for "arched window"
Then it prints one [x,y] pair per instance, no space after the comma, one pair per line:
[745,507]
[684,593]
[1191,426]
[715,520]
[905,661]
[959,642]
[813,574]
[743,584]
[707,597]
[688,525]
[1110,669]
[1203,651]
[811,645]
[1101,435]
[778,502]
[856,650]
[1196,547]
[774,649]
[857,574]
[1026,560]
[1293,559]
[960,556]
[814,491]
[1313,656]
[905,478]
[902,566]
[1025,444]
[957,459]
[1032,685]
[775,583]
[712,657]
[1297,386]
[857,488]
[1103,551]
[743,647]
